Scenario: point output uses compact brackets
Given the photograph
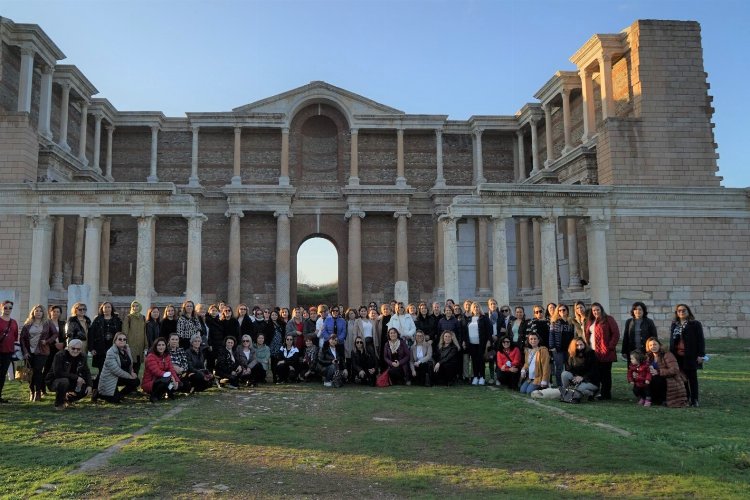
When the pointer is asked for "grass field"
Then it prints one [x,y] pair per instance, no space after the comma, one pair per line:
[458,442]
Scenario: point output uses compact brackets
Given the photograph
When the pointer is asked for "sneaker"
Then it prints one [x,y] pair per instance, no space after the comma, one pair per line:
[497,383]
[481,381]
[327,384]
[695,404]
[232,386]
[647,403]
[641,401]
[474,381]
[224,381]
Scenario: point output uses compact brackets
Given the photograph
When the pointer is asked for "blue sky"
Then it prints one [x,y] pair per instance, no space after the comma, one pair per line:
[422,56]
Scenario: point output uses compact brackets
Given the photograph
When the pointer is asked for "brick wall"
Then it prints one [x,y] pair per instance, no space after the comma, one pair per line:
[377,157]
[11,65]
[497,156]
[457,159]
[131,154]
[420,159]
[15,247]
[261,156]
[19,148]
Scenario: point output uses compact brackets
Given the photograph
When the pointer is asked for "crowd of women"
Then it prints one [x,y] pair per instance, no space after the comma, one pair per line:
[196,347]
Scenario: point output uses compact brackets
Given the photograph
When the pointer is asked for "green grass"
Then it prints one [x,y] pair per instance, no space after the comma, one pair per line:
[460,442]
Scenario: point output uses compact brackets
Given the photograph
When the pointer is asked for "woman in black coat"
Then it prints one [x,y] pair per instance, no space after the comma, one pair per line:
[478,339]
[102,334]
[449,361]
[638,329]
[77,326]
[227,364]
[687,343]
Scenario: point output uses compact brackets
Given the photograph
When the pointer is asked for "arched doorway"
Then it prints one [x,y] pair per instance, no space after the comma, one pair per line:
[317,272]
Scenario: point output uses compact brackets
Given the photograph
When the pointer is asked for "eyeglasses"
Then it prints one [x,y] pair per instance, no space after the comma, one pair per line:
[245,341]
[8,308]
[681,310]
[72,349]
[538,311]
[120,340]
[562,309]
[81,309]
[358,342]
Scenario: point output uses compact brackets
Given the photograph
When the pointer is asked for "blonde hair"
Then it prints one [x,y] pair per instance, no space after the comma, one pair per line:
[75,308]
[30,318]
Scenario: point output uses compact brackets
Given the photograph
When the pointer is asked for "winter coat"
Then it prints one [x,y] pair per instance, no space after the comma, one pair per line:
[134,327]
[542,373]
[584,365]
[693,340]
[156,366]
[513,356]
[46,338]
[606,336]
[401,355]
[102,333]
[667,367]
[648,330]
[112,370]
[74,329]
[64,365]
[359,331]
[187,327]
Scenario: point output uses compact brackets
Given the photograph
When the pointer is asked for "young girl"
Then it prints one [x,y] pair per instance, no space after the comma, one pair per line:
[639,377]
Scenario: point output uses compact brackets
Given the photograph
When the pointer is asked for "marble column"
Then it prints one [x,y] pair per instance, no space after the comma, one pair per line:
[45,102]
[83,133]
[400,176]
[574,277]
[589,116]
[104,258]
[354,162]
[77,277]
[534,146]
[402,248]
[283,257]
[450,257]
[537,242]
[354,257]
[41,249]
[523,246]
[97,140]
[439,270]
[566,121]
[500,287]
[193,181]
[548,136]
[605,72]
[108,169]
[478,163]
[153,254]
[152,177]
[91,261]
[284,177]
[483,265]
[235,257]
[144,270]
[25,76]
[439,178]
[64,107]
[237,175]
[596,242]
[521,156]
[57,262]
[194,258]
[548,229]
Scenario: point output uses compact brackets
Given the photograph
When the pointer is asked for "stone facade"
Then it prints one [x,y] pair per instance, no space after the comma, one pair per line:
[605,189]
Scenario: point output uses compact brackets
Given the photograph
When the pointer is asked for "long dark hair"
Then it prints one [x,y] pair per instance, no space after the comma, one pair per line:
[153,347]
[590,313]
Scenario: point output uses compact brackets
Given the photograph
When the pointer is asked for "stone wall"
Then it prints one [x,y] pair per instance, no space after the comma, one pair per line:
[377,157]
[19,148]
[457,159]
[15,247]
[131,154]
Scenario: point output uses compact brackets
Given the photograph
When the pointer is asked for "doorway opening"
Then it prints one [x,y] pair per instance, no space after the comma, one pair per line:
[317,272]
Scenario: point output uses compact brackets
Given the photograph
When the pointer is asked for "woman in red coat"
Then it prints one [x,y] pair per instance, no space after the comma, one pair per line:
[159,377]
[509,363]
[603,334]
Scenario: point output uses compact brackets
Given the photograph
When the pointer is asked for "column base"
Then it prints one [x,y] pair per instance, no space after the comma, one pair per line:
[84,161]
[354,181]
[236,180]
[109,178]
[98,170]
[484,292]
[439,183]
[283,181]
[194,182]
[64,147]
[534,172]
[567,150]
[481,180]
[57,282]
[46,134]
[548,163]
[401,181]
[152,178]
[104,292]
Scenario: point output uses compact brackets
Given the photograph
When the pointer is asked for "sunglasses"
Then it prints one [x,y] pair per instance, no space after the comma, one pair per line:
[505,310]
[358,342]
[538,312]
[74,349]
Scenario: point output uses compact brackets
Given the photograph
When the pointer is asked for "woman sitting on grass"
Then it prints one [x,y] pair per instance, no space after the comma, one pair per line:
[287,365]
[509,363]
[199,377]
[535,373]
[581,368]
[449,361]
[667,382]
[252,372]
[263,355]
[364,363]
[228,368]
[396,355]
[422,365]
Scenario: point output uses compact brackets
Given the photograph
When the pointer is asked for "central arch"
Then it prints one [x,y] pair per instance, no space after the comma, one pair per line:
[328,227]
[317,272]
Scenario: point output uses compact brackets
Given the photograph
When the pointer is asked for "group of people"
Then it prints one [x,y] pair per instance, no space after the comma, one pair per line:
[196,347]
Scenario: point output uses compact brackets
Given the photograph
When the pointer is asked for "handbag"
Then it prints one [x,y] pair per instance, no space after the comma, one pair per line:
[17,352]
[571,394]
[383,380]
[24,373]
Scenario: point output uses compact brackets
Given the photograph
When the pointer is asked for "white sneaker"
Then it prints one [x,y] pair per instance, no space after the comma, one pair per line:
[497,383]
[474,381]
[481,381]
[327,384]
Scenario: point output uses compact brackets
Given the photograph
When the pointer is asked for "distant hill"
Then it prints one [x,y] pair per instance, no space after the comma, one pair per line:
[312,295]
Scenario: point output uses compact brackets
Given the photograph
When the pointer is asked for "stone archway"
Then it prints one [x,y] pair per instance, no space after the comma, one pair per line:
[317,271]
[328,227]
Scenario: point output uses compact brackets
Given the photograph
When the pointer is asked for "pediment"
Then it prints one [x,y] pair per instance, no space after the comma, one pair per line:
[289,102]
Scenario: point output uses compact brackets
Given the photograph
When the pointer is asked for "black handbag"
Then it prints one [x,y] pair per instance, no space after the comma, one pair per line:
[571,394]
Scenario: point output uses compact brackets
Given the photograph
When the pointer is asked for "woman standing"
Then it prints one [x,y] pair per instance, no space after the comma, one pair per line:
[36,338]
[366,327]
[101,335]
[159,377]
[603,335]
[579,320]
[461,334]
[77,327]
[667,383]
[561,333]
[188,324]
[134,328]
[687,344]
[276,342]
[518,328]
[478,340]
[638,329]
[153,326]
[168,322]
[295,328]
[58,326]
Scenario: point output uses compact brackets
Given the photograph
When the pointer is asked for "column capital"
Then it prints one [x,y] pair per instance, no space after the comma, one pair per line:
[48,69]
[94,221]
[565,92]
[439,133]
[110,128]
[98,115]
[597,222]
[354,131]
[500,217]
[144,219]
[155,128]
[234,211]
[40,222]
[401,213]
[605,58]
[195,128]
[195,217]
[400,130]
[477,132]
[519,134]
[354,213]
[27,51]
[534,120]
[284,130]
[237,130]
[448,219]
[66,86]
[283,212]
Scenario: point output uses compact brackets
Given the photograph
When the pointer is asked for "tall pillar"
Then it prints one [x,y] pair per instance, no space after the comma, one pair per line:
[537,242]
[236,175]
[483,265]
[283,258]
[45,102]
[439,268]
[233,281]
[104,258]
[284,177]
[548,229]
[64,107]
[97,139]
[605,70]
[523,245]
[521,156]
[193,181]
[587,96]
[450,257]
[153,255]
[41,249]
[57,261]
[548,135]
[25,76]
[400,176]
[402,247]
[596,242]
[91,263]
[108,168]
[144,269]
[566,121]
[77,277]
[439,178]
[534,146]
[354,162]
[354,258]
[83,133]
[574,278]
[194,258]
[478,163]
[152,177]
[500,287]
